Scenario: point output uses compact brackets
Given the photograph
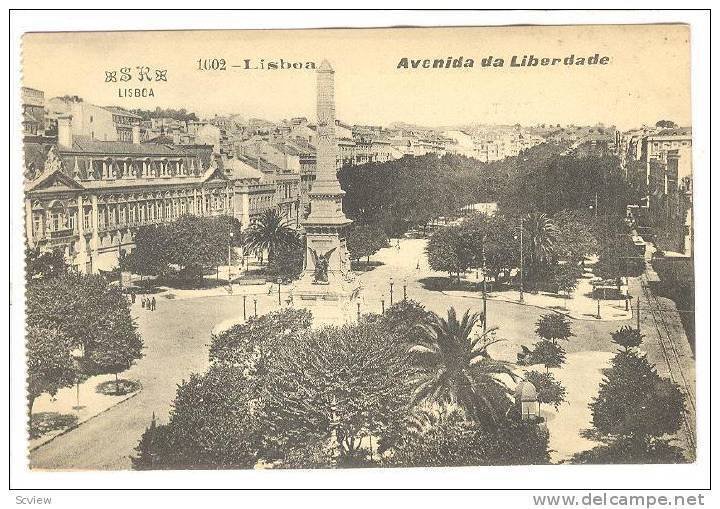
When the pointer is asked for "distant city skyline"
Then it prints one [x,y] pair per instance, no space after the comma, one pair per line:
[647,78]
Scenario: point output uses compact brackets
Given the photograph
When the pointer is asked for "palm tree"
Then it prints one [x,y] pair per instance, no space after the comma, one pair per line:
[454,366]
[541,233]
[270,232]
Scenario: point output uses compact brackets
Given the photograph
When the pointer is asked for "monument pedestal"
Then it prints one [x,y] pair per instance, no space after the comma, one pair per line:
[331,303]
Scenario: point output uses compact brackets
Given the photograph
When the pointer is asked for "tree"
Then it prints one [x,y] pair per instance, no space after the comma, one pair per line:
[541,238]
[548,353]
[454,366]
[565,277]
[253,344]
[401,322]
[93,315]
[191,243]
[198,242]
[49,362]
[447,251]
[152,449]
[116,353]
[626,337]
[270,233]
[44,264]
[634,410]
[624,451]
[334,389]
[214,424]
[363,241]
[667,124]
[287,262]
[553,326]
[151,255]
[576,235]
[549,390]
[446,437]
[635,402]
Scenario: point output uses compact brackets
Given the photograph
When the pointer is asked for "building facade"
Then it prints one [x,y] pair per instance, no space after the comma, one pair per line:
[86,197]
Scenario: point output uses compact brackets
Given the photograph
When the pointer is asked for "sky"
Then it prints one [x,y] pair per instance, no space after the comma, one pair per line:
[647,77]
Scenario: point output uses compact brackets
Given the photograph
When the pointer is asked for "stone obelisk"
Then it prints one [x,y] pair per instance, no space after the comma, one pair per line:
[326,286]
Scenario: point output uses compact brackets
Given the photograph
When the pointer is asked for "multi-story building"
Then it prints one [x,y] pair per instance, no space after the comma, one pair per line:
[87,197]
[253,193]
[33,111]
[108,123]
[661,160]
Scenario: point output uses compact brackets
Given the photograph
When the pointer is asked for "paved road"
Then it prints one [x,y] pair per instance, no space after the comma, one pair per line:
[177,345]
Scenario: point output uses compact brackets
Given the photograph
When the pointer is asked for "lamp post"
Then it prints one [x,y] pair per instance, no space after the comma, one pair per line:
[244,308]
[230,258]
[598,306]
[521,260]
[391,290]
[382,302]
[255,302]
[358,311]
[279,282]
[77,355]
[484,288]
[520,236]
[404,289]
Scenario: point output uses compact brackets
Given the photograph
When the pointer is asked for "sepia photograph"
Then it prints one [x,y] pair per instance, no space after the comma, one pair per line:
[358,248]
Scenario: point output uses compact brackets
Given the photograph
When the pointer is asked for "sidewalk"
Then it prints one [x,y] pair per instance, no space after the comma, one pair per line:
[579,306]
[668,348]
[92,404]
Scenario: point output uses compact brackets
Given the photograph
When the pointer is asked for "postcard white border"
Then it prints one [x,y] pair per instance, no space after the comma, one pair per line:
[534,477]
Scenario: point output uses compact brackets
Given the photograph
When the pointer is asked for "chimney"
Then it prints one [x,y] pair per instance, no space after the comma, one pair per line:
[65,136]
[136,133]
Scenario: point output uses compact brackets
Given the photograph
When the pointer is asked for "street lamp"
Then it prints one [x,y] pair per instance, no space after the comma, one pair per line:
[391,290]
[521,258]
[358,311]
[77,356]
[279,282]
[244,308]
[230,256]
[405,289]
[255,302]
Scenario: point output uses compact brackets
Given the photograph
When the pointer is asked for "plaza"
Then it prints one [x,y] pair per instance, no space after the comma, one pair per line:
[177,337]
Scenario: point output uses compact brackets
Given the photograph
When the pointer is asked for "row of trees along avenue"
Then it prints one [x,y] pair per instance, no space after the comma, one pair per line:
[78,326]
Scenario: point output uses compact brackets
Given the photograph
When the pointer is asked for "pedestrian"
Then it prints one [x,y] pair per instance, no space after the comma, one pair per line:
[152,304]
[132,296]
[142,302]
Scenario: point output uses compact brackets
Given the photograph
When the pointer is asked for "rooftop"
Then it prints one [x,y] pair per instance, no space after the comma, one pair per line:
[85,144]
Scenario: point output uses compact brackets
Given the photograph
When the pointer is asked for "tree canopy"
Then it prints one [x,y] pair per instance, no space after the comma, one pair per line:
[92,315]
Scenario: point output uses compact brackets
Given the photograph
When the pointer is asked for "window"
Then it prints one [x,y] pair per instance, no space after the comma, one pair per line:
[123,214]
[56,221]
[37,224]
[71,220]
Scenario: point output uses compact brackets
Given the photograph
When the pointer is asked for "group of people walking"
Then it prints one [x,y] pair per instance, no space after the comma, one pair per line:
[148,303]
